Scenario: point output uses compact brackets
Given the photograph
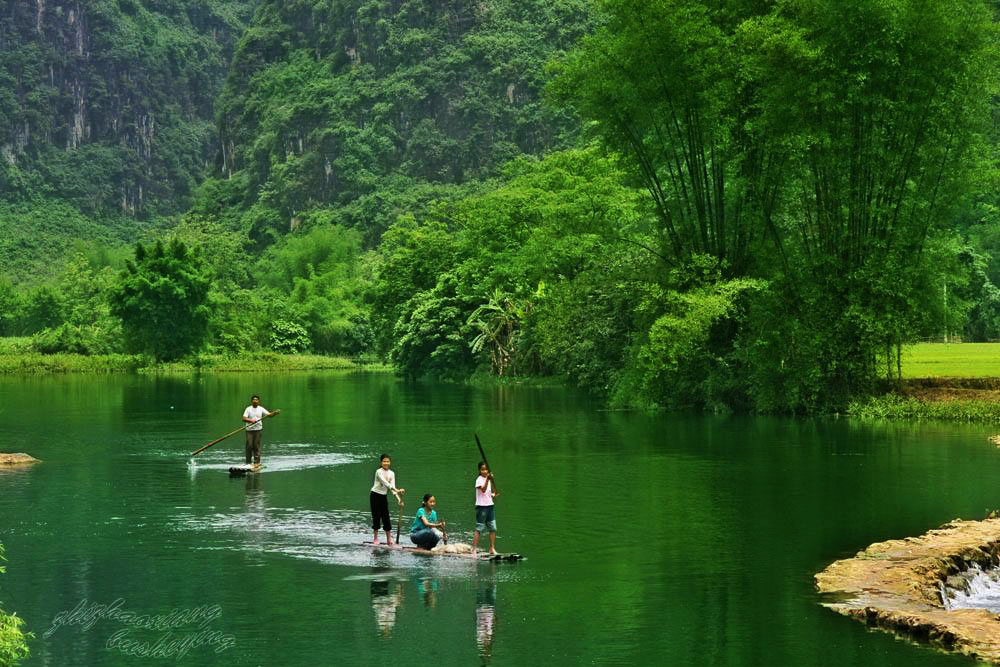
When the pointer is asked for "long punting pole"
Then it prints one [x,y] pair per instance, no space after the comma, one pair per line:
[488,466]
[242,428]
[400,522]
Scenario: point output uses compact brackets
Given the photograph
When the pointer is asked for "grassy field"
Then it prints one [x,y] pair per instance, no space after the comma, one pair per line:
[947,381]
[31,363]
[951,360]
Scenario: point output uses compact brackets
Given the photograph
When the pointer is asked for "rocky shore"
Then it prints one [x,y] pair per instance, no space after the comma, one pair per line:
[905,586]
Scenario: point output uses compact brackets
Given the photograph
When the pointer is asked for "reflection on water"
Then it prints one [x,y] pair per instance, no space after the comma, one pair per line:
[387,598]
[486,618]
[738,515]
[254,497]
[428,591]
[255,514]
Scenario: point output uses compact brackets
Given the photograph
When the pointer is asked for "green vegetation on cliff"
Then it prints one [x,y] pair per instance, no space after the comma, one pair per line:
[106,118]
[352,111]
[109,104]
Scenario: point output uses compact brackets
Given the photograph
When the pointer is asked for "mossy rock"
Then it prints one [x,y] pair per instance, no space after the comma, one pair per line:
[16,459]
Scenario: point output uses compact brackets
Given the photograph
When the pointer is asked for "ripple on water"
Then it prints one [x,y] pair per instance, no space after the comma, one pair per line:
[275,461]
[332,537]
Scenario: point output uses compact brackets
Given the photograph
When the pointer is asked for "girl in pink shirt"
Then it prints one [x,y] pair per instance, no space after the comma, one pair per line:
[485,511]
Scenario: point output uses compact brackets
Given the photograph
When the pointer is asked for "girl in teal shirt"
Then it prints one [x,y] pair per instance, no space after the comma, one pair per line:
[424,532]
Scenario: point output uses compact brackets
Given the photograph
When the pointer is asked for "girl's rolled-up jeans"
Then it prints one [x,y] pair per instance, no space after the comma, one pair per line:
[426,538]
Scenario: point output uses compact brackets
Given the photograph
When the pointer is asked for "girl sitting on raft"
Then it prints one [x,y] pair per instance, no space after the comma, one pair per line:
[425,531]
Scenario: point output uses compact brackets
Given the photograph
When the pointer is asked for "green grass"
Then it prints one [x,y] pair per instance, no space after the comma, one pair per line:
[953,360]
[16,357]
[894,406]
[36,363]
[266,361]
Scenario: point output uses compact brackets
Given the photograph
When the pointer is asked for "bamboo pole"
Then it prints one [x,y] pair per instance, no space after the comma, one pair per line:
[242,428]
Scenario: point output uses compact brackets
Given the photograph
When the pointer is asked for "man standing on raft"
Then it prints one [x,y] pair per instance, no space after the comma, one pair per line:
[253,415]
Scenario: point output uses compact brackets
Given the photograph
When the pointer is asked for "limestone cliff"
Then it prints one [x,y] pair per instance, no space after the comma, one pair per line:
[109,103]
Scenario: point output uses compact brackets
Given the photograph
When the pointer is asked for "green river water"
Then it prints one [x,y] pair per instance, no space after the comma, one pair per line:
[649,539]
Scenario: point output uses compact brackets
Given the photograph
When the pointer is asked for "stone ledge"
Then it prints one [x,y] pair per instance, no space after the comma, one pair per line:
[16,459]
[897,586]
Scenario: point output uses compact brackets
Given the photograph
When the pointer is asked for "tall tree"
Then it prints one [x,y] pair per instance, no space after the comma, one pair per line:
[663,80]
[161,299]
[787,146]
[884,125]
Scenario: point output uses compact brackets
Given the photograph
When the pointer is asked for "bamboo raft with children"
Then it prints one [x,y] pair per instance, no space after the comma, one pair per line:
[426,532]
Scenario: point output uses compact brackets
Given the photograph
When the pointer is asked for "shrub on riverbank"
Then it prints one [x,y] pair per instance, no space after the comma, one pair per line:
[268,361]
[896,406]
[36,363]
[13,640]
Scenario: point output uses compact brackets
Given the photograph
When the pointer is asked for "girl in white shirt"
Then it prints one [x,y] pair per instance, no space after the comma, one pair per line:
[385,481]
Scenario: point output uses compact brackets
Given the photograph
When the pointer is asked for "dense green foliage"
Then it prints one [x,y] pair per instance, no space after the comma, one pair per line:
[787,148]
[368,108]
[799,183]
[718,205]
[13,640]
[161,300]
[481,270]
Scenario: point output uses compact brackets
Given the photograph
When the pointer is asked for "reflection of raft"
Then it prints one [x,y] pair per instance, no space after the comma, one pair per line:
[482,555]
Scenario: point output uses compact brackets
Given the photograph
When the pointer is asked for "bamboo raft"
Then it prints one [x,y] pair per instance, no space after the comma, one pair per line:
[482,555]
[243,471]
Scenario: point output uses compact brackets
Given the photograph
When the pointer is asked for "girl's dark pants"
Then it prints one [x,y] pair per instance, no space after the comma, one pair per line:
[380,510]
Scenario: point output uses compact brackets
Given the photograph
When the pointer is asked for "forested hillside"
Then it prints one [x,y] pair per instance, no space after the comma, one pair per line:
[357,109]
[735,205]
[106,116]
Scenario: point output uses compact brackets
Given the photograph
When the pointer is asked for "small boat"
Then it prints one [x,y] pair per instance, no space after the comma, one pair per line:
[482,555]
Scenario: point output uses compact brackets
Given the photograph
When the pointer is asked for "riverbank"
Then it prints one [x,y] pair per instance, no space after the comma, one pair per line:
[952,399]
[947,381]
[32,363]
[906,587]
